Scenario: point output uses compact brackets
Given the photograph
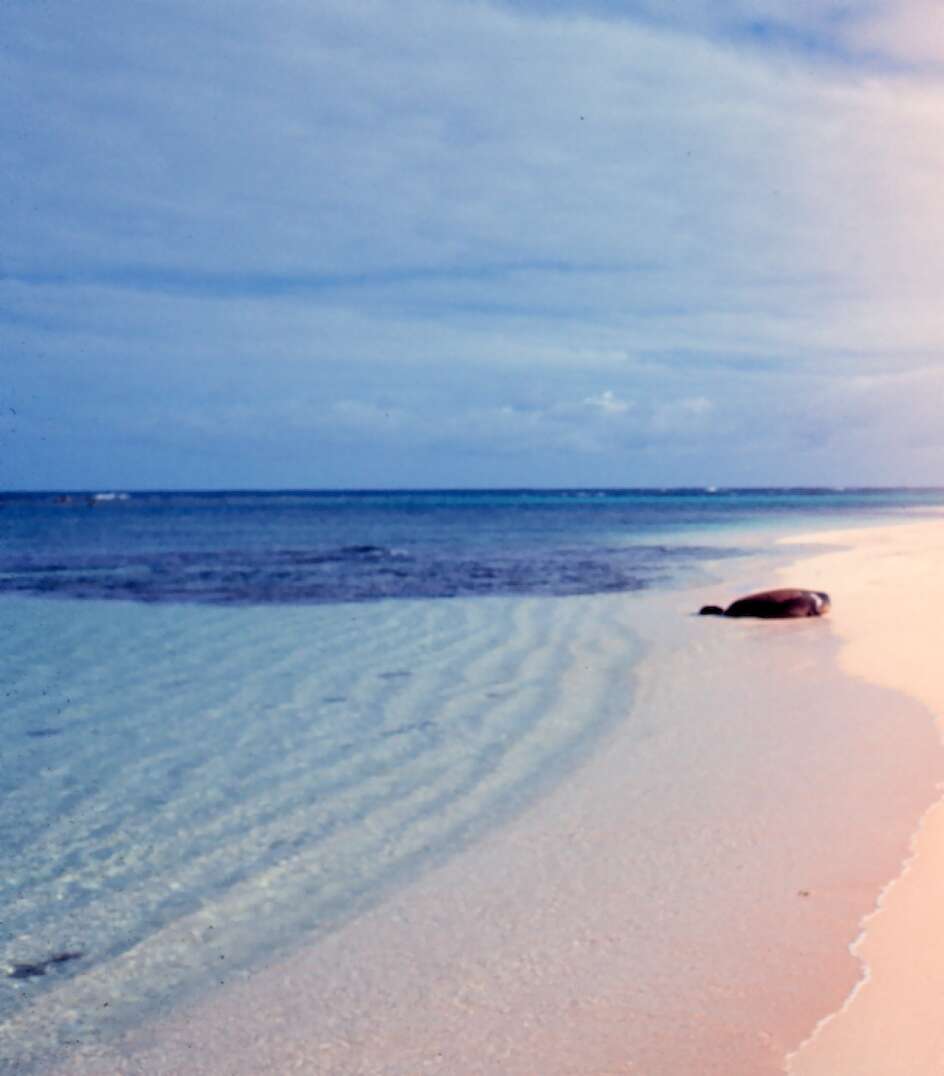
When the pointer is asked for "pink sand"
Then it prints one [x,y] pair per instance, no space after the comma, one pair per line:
[892,1025]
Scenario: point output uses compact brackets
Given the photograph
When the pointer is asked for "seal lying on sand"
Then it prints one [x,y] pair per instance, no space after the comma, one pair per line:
[774,604]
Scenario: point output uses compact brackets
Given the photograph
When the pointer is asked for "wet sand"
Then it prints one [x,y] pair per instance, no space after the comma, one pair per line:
[682,905]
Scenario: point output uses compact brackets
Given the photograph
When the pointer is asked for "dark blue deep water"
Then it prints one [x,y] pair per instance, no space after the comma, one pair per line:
[311,547]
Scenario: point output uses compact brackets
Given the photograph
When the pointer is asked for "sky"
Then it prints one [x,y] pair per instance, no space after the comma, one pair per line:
[459,243]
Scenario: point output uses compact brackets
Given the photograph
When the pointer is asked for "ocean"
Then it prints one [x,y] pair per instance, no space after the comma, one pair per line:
[234,721]
[321,547]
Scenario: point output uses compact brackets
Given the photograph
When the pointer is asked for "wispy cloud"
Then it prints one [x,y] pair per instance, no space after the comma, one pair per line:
[554,230]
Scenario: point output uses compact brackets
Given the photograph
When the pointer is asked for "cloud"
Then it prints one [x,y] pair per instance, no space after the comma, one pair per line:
[608,403]
[685,416]
[907,31]
[880,35]
[235,231]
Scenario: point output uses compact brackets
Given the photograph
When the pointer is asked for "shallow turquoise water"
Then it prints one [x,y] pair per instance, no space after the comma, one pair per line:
[183,784]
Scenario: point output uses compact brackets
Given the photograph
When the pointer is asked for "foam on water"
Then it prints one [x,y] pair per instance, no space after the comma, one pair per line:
[187,788]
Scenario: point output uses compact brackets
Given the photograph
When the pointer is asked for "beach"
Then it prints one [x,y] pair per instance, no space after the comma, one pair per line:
[683,903]
[890,624]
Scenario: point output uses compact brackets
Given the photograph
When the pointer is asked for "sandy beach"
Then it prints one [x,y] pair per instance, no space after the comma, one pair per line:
[685,920]
[892,584]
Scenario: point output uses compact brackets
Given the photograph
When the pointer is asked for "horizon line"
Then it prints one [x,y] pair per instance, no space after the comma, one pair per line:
[92,491]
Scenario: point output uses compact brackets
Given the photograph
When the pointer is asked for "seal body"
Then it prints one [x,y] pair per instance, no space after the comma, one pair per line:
[781,604]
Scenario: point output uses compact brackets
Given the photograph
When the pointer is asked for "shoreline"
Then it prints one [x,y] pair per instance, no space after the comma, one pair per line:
[550,946]
[889,1024]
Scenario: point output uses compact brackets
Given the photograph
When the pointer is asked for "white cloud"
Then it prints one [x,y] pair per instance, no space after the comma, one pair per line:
[608,403]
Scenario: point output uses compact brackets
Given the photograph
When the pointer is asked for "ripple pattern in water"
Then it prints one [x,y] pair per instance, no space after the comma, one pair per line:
[192,787]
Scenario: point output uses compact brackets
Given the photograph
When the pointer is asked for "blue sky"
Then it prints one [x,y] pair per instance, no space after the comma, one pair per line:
[441,243]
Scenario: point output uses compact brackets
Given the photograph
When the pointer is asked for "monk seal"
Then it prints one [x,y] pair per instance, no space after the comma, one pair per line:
[774,604]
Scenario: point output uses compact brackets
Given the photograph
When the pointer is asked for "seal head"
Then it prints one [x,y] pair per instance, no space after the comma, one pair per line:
[711,610]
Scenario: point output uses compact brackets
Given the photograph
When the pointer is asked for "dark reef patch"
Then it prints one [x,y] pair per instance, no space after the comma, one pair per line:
[40,967]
